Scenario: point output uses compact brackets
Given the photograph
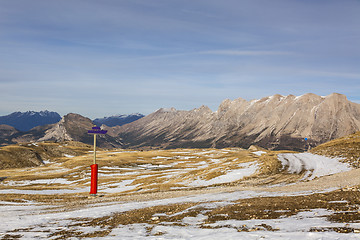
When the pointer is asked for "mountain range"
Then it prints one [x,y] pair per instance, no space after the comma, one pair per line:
[24,121]
[118,120]
[274,122]
[72,127]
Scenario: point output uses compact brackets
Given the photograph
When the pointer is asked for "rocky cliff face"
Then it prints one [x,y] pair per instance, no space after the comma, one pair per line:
[74,127]
[275,122]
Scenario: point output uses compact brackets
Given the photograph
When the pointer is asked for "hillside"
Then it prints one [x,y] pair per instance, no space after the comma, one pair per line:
[6,133]
[347,147]
[36,154]
[275,122]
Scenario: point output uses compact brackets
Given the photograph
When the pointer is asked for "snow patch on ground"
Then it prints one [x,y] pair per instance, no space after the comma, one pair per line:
[259,153]
[125,185]
[313,165]
[247,169]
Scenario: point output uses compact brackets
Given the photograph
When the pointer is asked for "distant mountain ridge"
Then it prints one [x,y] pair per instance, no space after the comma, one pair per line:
[274,122]
[24,121]
[118,120]
[71,127]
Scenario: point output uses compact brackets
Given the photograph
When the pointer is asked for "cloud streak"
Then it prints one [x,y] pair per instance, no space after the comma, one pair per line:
[245,53]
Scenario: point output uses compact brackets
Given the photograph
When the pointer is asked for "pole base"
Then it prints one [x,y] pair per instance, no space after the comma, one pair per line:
[94,179]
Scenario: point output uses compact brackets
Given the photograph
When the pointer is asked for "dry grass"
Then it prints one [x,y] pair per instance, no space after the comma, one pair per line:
[129,175]
[346,147]
[123,172]
[34,154]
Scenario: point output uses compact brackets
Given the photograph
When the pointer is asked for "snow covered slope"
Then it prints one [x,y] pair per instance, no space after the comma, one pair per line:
[313,165]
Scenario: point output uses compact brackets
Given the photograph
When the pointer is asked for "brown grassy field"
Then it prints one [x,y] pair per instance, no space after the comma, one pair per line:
[203,189]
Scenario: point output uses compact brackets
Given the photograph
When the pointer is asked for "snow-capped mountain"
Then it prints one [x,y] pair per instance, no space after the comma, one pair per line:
[24,121]
[118,120]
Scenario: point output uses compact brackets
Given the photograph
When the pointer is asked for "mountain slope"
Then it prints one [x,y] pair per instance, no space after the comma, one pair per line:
[275,122]
[74,127]
[347,147]
[34,154]
[117,120]
[24,121]
[6,133]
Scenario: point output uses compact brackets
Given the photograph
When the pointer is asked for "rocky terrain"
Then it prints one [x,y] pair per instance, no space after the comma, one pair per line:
[74,127]
[275,122]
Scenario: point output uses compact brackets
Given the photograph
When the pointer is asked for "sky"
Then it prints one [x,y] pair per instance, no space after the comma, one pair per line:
[109,57]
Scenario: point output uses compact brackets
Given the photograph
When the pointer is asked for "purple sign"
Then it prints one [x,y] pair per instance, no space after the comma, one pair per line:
[97,130]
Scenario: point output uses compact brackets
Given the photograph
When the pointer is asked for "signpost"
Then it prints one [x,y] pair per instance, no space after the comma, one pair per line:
[94,166]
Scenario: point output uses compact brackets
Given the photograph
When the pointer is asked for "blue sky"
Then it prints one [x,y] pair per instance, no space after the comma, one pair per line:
[101,58]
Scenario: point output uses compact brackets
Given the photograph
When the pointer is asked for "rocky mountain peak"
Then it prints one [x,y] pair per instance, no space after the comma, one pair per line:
[276,122]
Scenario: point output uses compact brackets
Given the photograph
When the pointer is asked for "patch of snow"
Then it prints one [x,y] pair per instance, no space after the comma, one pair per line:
[46,161]
[259,153]
[159,157]
[314,165]
[43,191]
[151,166]
[247,169]
[185,157]
[119,187]
[36,182]
[68,156]
[298,97]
